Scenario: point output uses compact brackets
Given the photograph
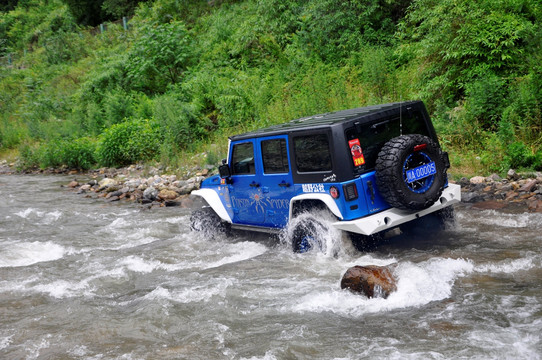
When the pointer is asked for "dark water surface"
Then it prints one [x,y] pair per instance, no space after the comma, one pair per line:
[85,279]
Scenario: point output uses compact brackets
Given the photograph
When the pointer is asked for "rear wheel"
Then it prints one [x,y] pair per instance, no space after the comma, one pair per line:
[307,234]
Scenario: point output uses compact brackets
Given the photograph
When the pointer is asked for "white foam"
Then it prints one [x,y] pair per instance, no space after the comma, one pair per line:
[238,252]
[523,220]
[508,266]
[418,284]
[5,342]
[138,264]
[202,293]
[46,217]
[268,356]
[24,254]
[62,289]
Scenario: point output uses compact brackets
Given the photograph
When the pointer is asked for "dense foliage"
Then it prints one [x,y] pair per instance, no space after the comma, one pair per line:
[189,73]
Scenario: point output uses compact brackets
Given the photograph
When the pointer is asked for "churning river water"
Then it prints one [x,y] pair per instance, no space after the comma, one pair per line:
[85,279]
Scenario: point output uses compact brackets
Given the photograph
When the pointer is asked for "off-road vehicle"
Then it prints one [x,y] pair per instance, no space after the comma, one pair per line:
[373,168]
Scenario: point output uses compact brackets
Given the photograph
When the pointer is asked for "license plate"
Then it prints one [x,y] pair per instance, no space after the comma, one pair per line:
[421,172]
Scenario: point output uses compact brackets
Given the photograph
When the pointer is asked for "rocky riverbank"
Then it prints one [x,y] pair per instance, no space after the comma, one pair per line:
[149,186]
[494,192]
[145,186]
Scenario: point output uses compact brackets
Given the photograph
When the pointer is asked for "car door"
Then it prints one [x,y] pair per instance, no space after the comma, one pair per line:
[276,180]
[245,191]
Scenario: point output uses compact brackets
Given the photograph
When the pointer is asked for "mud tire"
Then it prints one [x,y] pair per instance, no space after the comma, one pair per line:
[399,155]
[207,221]
[305,235]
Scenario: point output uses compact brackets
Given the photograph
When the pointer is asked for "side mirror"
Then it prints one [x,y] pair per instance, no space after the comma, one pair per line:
[224,171]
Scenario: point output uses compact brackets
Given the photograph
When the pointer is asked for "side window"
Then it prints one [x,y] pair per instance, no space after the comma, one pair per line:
[312,153]
[274,156]
[243,159]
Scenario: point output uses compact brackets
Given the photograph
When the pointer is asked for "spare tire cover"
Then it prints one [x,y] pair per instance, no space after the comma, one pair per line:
[411,172]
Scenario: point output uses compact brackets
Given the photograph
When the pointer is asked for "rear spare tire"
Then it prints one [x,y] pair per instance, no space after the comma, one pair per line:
[411,172]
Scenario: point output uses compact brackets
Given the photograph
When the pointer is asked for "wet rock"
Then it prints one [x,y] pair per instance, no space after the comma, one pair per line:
[166,194]
[150,193]
[471,197]
[534,205]
[464,181]
[73,184]
[477,180]
[113,194]
[85,187]
[171,203]
[371,280]
[529,186]
[512,175]
[106,183]
[493,178]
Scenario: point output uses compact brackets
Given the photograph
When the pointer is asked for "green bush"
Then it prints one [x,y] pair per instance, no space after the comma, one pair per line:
[80,153]
[519,156]
[28,157]
[159,57]
[129,142]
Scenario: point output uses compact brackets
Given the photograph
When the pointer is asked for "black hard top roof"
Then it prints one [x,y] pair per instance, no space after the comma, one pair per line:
[363,114]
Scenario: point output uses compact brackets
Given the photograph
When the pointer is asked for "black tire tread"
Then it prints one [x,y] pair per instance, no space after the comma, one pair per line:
[389,175]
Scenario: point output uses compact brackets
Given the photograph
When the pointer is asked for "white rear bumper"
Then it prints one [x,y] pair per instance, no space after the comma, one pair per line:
[391,218]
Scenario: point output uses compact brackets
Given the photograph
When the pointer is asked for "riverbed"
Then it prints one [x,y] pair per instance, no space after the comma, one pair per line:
[82,278]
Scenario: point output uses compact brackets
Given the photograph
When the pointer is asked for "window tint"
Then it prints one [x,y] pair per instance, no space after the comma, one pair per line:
[243,159]
[374,135]
[312,153]
[274,156]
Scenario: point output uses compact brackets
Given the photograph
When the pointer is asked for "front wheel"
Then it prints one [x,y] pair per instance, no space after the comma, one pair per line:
[207,221]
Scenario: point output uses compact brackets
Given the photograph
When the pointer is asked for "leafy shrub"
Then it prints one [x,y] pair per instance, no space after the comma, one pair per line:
[159,57]
[80,153]
[457,41]
[28,157]
[485,100]
[129,142]
[519,156]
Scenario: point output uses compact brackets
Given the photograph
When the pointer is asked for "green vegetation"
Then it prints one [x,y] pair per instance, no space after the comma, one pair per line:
[186,74]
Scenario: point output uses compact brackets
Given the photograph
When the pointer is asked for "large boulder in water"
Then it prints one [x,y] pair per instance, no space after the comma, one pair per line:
[371,280]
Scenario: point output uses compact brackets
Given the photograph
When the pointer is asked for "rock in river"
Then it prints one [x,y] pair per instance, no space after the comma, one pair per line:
[371,280]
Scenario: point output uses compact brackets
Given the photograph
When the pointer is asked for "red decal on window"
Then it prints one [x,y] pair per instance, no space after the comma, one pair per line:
[357,153]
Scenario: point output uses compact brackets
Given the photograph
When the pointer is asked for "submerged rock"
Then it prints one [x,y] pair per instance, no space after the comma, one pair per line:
[371,280]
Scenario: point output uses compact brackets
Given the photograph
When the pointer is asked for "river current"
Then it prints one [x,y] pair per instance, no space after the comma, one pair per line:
[83,278]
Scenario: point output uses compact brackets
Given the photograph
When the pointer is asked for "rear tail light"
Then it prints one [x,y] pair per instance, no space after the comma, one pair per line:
[350,191]
[334,192]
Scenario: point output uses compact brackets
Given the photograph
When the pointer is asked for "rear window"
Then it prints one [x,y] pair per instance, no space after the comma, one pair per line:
[366,141]
[312,153]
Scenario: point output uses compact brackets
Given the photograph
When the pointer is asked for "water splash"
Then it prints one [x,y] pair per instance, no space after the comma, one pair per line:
[29,253]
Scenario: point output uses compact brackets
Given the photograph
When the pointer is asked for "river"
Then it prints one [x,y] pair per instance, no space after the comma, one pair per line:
[86,279]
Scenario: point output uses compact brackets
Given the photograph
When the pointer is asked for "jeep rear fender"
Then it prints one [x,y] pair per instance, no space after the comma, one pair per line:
[324,198]
[212,198]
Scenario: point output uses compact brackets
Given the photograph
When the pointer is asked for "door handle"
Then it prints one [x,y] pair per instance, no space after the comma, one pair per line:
[284,184]
[254,184]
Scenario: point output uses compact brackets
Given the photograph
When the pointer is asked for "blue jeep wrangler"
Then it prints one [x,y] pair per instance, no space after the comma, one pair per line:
[373,168]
